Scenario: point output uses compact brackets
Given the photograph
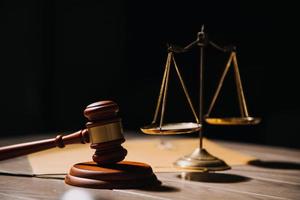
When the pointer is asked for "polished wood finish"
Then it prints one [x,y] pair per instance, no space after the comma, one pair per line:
[109,152]
[31,147]
[101,110]
[122,175]
[105,132]
[276,177]
[107,172]
[98,113]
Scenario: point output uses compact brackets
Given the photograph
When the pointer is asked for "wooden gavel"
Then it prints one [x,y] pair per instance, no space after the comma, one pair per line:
[104,131]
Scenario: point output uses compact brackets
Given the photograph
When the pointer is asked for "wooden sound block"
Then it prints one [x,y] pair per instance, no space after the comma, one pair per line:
[121,175]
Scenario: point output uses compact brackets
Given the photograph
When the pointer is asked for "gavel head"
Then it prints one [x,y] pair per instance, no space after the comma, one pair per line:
[105,130]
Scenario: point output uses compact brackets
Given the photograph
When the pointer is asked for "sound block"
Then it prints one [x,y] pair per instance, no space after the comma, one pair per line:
[121,175]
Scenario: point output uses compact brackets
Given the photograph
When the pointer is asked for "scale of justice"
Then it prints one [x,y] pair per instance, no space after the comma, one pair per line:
[200,159]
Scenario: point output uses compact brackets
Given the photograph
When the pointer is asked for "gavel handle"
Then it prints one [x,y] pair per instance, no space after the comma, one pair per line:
[60,141]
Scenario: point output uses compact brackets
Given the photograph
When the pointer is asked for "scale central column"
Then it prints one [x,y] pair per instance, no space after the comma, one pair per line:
[201,44]
[201,159]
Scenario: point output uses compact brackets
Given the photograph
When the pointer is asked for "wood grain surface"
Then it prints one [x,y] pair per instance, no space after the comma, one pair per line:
[275,176]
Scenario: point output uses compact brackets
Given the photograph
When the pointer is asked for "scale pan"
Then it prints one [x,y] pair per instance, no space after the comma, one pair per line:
[233,121]
[171,128]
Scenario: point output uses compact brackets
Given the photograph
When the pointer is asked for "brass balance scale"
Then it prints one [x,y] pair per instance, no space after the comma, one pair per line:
[199,159]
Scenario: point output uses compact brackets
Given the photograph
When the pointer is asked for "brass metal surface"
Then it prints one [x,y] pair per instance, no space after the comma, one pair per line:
[161,106]
[106,133]
[171,128]
[233,121]
[201,159]
[245,119]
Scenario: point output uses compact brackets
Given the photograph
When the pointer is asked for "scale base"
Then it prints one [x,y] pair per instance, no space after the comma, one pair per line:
[200,159]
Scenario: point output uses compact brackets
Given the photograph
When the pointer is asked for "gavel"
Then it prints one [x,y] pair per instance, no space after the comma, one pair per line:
[104,131]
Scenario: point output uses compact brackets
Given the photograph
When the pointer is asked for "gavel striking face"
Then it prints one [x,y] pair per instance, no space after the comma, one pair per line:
[105,131]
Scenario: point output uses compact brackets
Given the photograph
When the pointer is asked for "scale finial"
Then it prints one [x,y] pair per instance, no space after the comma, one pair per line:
[202,28]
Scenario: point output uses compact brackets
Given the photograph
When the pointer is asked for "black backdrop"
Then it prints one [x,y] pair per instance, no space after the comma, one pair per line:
[59,56]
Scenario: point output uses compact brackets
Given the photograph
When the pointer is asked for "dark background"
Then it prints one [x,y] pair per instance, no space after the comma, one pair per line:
[59,56]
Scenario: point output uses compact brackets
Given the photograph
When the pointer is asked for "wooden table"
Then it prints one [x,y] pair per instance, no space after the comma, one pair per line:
[276,177]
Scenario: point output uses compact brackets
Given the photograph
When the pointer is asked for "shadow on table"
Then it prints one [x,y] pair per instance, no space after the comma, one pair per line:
[213,177]
[160,188]
[274,164]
